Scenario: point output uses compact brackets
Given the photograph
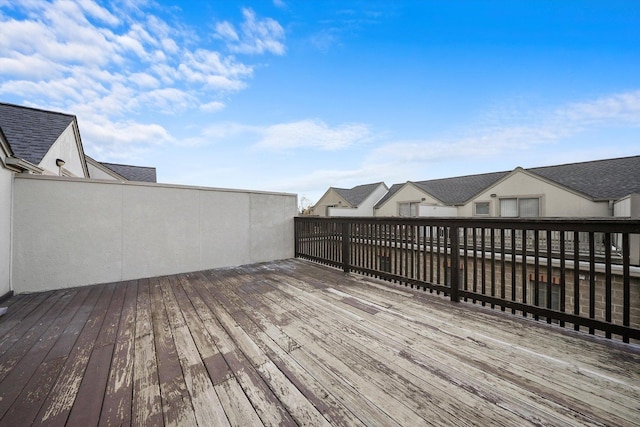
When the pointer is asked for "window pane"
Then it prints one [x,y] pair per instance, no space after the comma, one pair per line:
[529,208]
[482,208]
[509,207]
[414,209]
[404,209]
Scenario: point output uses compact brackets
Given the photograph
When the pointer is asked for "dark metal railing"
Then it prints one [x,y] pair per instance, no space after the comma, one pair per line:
[580,273]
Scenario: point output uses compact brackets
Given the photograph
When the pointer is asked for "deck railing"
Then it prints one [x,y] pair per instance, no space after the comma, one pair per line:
[579,273]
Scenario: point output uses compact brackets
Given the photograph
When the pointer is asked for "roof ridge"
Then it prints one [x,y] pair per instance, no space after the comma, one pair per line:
[124,164]
[583,162]
[42,110]
[461,176]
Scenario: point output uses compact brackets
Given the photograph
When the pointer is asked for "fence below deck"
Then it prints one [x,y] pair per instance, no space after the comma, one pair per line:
[579,273]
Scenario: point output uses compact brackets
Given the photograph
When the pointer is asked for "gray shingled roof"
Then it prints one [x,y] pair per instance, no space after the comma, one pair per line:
[31,132]
[458,190]
[451,191]
[133,173]
[607,179]
[356,195]
[600,179]
[394,188]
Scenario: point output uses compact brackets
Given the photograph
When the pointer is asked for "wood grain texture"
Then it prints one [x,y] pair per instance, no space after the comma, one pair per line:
[293,343]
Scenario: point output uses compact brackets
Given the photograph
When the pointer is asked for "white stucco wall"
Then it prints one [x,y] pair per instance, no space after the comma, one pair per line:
[5,230]
[554,200]
[64,148]
[97,173]
[365,208]
[99,231]
[408,193]
[622,208]
[438,211]
[330,198]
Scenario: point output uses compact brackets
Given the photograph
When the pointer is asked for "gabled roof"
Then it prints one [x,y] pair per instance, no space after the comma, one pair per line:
[450,191]
[458,190]
[31,132]
[358,194]
[133,173]
[606,179]
[393,190]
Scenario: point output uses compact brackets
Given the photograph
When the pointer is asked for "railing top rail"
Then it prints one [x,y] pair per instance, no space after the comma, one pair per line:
[607,224]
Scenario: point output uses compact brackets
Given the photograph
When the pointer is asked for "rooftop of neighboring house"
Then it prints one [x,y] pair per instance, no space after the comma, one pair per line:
[31,132]
[357,194]
[133,173]
[607,179]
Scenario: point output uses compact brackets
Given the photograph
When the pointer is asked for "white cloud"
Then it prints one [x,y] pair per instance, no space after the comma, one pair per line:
[109,63]
[515,135]
[312,134]
[280,3]
[213,107]
[614,109]
[257,36]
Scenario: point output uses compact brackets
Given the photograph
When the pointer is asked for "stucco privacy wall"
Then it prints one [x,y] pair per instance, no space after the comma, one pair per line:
[69,232]
[6,178]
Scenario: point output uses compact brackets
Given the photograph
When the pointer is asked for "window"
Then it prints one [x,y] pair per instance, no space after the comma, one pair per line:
[520,207]
[481,208]
[408,208]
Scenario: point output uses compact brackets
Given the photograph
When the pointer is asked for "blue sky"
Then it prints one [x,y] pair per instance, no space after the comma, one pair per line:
[297,96]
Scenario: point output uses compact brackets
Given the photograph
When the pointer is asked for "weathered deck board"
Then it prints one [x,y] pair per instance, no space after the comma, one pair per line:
[294,343]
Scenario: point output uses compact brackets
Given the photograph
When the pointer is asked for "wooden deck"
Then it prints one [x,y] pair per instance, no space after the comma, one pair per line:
[294,343]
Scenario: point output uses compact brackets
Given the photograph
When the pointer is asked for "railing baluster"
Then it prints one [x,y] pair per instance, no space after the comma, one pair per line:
[563,272]
[549,275]
[524,268]
[626,284]
[592,279]
[536,270]
[503,281]
[483,258]
[493,264]
[607,278]
[513,267]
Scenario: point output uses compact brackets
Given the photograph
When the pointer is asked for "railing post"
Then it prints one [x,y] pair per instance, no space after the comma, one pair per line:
[296,237]
[454,236]
[346,247]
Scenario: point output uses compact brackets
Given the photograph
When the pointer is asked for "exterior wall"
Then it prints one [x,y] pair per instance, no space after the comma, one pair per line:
[629,207]
[97,173]
[438,211]
[408,193]
[6,178]
[330,198]
[65,148]
[71,232]
[554,201]
[365,208]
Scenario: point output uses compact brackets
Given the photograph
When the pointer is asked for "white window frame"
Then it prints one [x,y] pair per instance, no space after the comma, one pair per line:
[411,211]
[518,201]
[475,208]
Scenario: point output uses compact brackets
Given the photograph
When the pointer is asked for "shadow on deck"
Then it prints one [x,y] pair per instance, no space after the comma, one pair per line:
[295,343]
